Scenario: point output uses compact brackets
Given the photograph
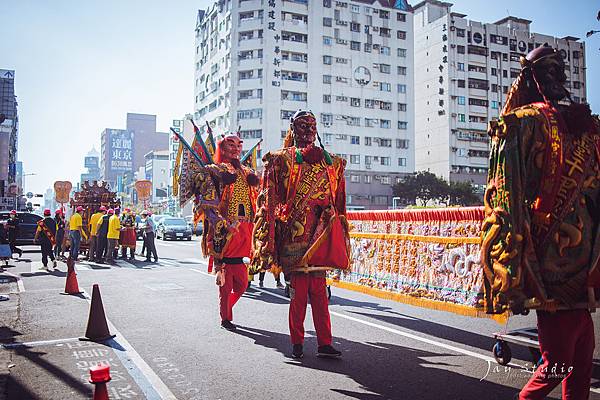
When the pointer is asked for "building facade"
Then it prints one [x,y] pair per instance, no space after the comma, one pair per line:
[463,70]
[9,128]
[350,62]
[123,151]
[92,164]
[157,171]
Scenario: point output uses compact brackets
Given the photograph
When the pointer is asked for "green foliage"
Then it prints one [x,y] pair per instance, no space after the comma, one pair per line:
[424,187]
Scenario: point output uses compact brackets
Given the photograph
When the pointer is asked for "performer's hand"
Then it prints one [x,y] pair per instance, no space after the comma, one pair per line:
[220,281]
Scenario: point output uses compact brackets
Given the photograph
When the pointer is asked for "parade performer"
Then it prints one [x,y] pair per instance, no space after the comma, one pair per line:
[75,232]
[541,235]
[226,198]
[127,238]
[59,218]
[112,235]
[12,225]
[93,229]
[102,236]
[301,226]
[45,235]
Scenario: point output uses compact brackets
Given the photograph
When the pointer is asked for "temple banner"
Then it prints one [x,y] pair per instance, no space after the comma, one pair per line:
[62,191]
[425,257]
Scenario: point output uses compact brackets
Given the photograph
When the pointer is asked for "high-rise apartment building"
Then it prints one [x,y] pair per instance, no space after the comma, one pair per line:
[350,62]
[463,71]
[9,128]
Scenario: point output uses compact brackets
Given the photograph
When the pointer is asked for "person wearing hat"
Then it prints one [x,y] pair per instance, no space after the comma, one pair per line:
[12,225]
[541,233]
[75,232]
[114,229]
[45,235]
[301,226]
[101,235]
[147,226]
[127,238]
[93,229]
[59,219]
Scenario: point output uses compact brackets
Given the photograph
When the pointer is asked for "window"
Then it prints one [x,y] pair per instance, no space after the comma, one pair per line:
[461,118]
[341,60]
[369,103]
[385,142]
[461,100]
[576,85]
[401,106]
[385,105]
[326,21]
[494,88]
[355,159]
[367,143]
[355,140]
[478,84]
[287,114]
[400,17]
[327,79]
[460,32]
[385,124]
[402,143]
[402,162]
[384,14]
[494,72]
[371,122]
[401,52]
[460,49]
[385,87]
[476,68]
[367,47]
[402,125]
[327,40]
[478,102]
[354,102]
[367,178]
[327,3]
[327,60]
[354,45]
[354,8]
[246,74]
[354,27]
[384,50]
[327,118]
[341,98]
[401,35]
[249,114]
[385,32]
[401,70]
[401,88]
[353,121]
[294,37]
[385,161]
[494,104]
[293,76]
[354,178]
[460,66]
[384,68]
[326,98]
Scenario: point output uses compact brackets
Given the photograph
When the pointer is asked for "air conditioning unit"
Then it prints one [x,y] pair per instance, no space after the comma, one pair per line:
[377,177]
[375,29]
[327,124]
[453,46]
[454,114]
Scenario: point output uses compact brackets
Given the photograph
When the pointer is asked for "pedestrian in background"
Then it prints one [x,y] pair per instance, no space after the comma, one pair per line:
[127,237]
[93,229]
[12,225]
[45,235]
[101,236]
[59,220]
[75,232]
[149,229]
[114,229]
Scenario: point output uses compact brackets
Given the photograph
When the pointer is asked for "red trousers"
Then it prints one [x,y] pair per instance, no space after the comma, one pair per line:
[566,342]
[315,287]
[236,282]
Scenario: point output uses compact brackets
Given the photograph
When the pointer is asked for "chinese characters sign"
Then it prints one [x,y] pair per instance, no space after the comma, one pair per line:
[120,150]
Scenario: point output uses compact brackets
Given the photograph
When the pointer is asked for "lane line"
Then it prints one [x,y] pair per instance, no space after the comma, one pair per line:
[20,284]
[150,383]
[38,343]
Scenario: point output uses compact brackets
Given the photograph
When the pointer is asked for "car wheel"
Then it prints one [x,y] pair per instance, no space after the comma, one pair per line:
[190,238]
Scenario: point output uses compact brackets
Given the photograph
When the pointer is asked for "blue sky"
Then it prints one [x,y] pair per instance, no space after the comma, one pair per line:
[82,65]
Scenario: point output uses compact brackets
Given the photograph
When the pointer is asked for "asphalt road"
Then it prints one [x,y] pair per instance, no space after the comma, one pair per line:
[169,343]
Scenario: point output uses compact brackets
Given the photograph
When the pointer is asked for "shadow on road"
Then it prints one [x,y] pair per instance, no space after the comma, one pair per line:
[389,371]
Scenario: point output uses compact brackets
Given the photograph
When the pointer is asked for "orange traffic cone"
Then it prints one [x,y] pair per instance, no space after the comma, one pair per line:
[99,376]
[97,327]
[71,286]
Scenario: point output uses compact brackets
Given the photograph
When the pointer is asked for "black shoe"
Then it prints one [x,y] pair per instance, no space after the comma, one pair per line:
[261,284]
[279,285]
[225,324]
[328,351]
[297,351]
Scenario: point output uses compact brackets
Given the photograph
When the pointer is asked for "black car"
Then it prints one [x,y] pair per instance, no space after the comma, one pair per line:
[27,227]
[173,228]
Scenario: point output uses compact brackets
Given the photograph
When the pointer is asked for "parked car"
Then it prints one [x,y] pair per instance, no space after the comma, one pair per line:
[196,230]
[173,228]
[27,226]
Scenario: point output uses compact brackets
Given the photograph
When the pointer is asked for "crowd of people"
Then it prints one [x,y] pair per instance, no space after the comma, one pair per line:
[106,233]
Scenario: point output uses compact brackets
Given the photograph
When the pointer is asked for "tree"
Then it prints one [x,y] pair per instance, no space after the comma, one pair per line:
[423,186]
[463,194]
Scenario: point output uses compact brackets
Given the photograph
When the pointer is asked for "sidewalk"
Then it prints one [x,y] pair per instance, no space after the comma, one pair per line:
[41,355]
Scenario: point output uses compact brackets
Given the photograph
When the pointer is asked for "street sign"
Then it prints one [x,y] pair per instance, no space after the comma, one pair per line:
[29,195]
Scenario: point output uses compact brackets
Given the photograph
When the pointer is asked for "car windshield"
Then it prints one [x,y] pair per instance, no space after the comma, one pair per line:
[174,221]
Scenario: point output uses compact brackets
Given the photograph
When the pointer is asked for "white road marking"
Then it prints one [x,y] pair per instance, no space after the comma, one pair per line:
[20,284]
[136,366]
[39,343]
